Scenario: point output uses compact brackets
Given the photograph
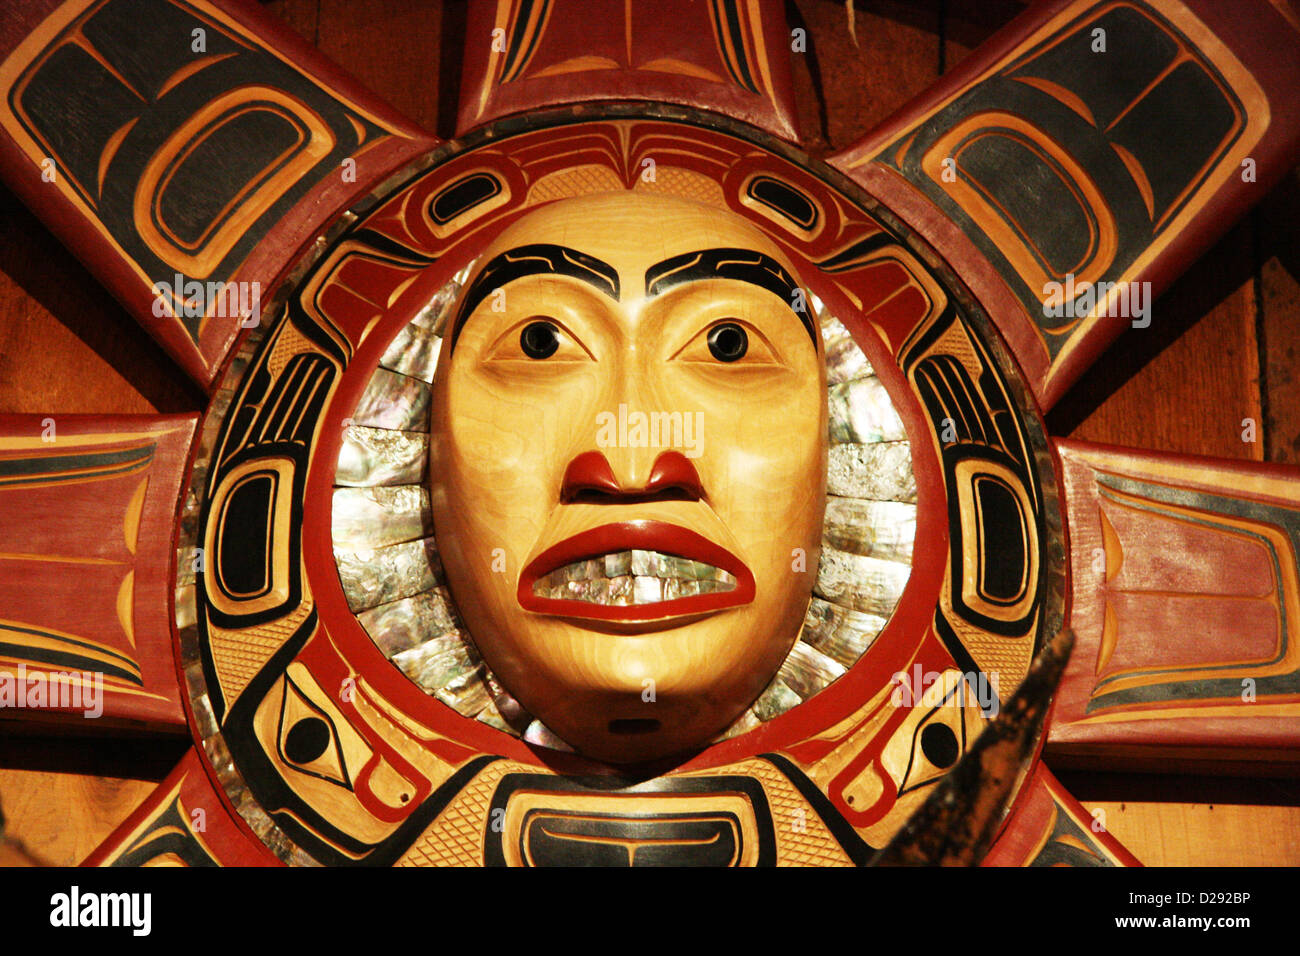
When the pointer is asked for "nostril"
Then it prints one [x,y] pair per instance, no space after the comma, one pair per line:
[592,496]
[589,475]
[673,472]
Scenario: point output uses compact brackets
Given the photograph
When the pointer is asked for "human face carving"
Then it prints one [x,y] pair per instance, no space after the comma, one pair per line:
[628,396]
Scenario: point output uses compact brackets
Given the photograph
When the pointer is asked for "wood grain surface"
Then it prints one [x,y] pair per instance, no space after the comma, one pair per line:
[1222,347]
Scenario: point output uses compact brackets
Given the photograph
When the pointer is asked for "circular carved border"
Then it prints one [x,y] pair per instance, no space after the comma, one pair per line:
[281,675]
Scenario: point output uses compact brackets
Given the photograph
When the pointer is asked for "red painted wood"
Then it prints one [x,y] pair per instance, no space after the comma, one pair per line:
[314,196]
[1256,45]
[1185,591]
[1048,827]
[727,56]
[183,822]
[86,567]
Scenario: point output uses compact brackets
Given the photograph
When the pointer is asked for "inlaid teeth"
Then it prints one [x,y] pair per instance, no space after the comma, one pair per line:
[627,578]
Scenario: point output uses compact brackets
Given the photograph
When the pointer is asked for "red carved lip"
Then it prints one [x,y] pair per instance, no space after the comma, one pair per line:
[644,535]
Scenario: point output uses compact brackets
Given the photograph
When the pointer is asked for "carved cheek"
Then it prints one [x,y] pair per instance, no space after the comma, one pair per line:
[767,461]
[501,446]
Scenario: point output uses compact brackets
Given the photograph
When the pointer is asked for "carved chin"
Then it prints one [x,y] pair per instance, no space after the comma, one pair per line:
[629,718]
[631,692]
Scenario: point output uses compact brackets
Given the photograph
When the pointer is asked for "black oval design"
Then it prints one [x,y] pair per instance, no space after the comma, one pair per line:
[1003,551]
[238,151]
[785,199]
[463,195]
[1062,242]
[242,548]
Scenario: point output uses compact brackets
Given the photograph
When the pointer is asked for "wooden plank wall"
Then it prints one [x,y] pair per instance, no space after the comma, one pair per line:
[1222,347]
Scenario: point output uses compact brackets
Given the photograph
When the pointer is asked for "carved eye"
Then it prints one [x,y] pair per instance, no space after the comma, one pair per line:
[308,739]
[728,342]
[943,735]
[539,340]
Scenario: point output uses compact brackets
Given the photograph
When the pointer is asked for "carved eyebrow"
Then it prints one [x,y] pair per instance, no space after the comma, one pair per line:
[744,265]
[535,259]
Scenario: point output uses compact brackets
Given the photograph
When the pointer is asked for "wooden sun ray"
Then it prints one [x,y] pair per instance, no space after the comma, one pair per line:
[89,507]
[1085,156]
[1186,602]
[726,56]
[189,179]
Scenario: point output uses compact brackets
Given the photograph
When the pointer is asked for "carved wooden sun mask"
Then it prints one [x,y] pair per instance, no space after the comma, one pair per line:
[644,598]
[310,599]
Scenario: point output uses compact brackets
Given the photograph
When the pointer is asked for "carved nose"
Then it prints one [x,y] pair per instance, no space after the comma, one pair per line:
[590,478]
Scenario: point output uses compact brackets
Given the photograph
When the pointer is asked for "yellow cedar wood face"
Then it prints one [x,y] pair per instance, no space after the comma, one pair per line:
[507,426]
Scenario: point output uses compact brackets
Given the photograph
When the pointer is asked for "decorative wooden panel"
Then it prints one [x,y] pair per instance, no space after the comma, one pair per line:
[346,711]
[332,405]
[1185,597]
[727,56]
[1089,149]
[183,823]
[89,511]
[1050,828]
[184,177]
